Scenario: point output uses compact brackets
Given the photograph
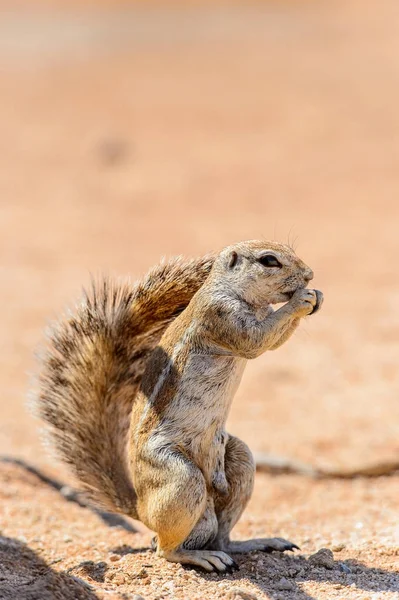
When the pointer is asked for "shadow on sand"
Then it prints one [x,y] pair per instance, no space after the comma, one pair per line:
[110,519]
[282,576]
[25,576]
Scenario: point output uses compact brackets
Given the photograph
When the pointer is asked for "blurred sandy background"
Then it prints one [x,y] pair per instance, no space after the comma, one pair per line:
[131,131]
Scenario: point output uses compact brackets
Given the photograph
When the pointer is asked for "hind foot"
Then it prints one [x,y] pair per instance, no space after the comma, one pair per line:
[262,544]
[209,560]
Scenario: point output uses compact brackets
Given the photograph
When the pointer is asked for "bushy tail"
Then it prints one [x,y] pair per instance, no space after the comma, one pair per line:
[92,368]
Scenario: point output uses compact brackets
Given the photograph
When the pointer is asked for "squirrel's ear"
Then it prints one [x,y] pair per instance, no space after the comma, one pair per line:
[233,259]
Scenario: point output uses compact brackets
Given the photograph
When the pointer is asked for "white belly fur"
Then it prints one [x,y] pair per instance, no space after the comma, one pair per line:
[197,414]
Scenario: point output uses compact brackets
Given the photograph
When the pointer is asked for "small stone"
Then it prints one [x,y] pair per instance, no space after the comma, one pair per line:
[323,558]
[260,563]
[68,492]
[137,597]
[114,557]
[118,579]
[239,594]
[344,568]
[301,573]
[284,584]
[170,586]
[141,574]
[338,547]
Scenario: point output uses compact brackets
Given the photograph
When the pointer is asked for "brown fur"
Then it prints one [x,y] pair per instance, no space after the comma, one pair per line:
[169,354]
[92,368]
[193,480]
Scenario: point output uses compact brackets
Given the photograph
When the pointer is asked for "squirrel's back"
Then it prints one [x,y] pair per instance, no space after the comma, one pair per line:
[92,368]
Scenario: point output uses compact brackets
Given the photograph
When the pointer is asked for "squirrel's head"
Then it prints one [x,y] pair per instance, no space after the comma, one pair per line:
[262,272]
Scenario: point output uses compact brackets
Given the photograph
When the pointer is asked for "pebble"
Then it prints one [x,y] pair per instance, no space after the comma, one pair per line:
[338,547]
[323,558]
[118,579]
[239,594]
[141,574]
[137,597]
[114,557]
[301,573]
[344,568]
[284,584]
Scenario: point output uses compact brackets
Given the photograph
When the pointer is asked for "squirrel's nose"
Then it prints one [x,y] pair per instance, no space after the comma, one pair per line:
[308,275]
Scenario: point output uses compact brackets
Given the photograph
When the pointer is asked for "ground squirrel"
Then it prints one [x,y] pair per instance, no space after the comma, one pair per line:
[137,383]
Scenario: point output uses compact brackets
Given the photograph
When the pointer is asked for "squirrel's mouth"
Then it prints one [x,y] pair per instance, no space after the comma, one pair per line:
[289,293]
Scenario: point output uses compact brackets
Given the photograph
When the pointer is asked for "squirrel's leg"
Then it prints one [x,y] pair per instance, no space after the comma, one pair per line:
[177,509]
[240,471]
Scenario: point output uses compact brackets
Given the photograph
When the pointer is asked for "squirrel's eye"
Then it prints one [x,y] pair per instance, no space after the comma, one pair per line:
[269,260]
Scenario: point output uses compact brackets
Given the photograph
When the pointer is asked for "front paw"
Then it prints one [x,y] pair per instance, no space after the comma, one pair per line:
[319,301]
[306,302]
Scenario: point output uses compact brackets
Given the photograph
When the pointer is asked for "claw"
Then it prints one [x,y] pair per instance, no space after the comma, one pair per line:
[231,568]
[294,547]
[154,543]
[291,547]
[288,546]
[319,302]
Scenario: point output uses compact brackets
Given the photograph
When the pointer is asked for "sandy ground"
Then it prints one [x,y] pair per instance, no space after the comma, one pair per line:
[132,134]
